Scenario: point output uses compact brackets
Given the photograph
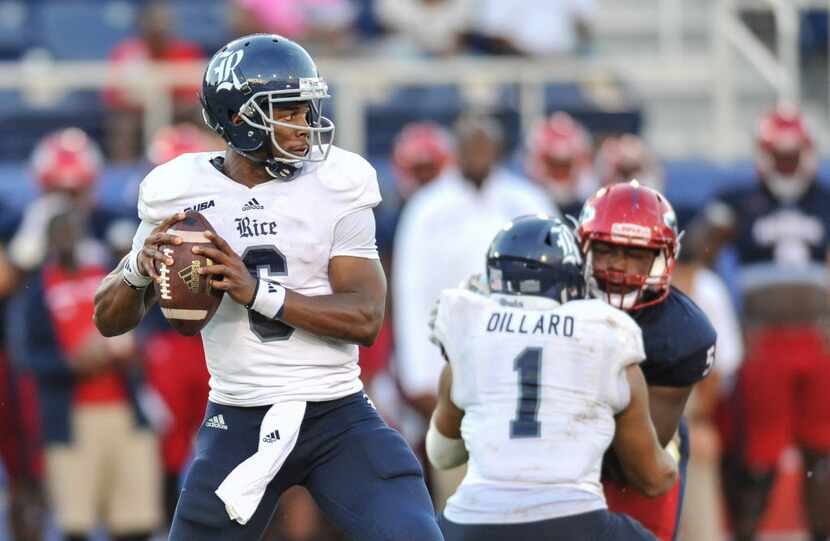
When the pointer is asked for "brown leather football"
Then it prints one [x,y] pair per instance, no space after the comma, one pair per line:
[186,299]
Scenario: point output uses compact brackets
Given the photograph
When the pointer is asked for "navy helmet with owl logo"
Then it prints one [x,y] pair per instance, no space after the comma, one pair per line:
[536,255]
[247,81]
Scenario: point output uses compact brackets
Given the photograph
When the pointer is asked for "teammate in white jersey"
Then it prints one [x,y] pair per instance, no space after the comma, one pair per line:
[539,383]
[295,253]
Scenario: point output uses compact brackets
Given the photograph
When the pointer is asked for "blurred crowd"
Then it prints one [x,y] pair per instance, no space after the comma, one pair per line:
[98,431]
[117,416]
[331,28]
[129,34]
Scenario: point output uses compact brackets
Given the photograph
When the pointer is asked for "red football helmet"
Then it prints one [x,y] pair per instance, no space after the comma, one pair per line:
[559,150]
[630,215]
[623,158]
[66,160]
[423,150]
[786,159]
[173,141]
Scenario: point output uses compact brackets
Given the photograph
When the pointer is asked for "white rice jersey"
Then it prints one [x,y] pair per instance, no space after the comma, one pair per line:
[285,231]
[540,384]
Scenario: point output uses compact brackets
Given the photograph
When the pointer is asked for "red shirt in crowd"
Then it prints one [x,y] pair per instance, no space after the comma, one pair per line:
[69,297]
[135,52]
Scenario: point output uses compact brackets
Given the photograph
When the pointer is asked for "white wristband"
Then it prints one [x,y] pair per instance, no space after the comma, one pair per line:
[673,448]
[268,299]
[130,272]
[443,452]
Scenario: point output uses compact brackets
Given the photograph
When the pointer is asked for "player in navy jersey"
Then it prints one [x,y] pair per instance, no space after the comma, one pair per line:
[779,230]
[534,441]
[630,242]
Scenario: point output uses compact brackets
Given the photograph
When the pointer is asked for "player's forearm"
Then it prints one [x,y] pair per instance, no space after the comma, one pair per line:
[118,307]
[8,275]
[346,316]
[666,405]
[444,452]
[445,447]
[661,477]
[645,463]
[651,469]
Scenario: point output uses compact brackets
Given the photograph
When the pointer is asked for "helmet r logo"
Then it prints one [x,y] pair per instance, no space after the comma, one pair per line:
[226,64]
[567,242]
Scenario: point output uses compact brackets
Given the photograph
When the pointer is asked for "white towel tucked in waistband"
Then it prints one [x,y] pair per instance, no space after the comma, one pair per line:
[243,488]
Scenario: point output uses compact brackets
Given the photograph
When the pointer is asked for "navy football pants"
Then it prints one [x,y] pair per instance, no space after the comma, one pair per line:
[360,472]
[594,526]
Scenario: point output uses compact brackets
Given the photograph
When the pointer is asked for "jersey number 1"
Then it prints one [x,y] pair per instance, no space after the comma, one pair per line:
[529,366]
[270,262]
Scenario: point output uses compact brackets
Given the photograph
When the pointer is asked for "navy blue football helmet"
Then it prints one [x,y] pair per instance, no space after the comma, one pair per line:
[246,81]
[536,255]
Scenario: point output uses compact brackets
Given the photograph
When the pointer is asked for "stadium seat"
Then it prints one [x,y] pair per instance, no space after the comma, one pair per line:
[579,100]
[204,22]
[118,186]
[366,23]
[16,184]
[814,34]
[14,25]
[406,104]
[80,30]
[11,101]
[566,96]
[22,124]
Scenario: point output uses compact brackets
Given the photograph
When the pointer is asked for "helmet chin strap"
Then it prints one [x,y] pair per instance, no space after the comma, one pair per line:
[275,168]
[282,170]
[622,301]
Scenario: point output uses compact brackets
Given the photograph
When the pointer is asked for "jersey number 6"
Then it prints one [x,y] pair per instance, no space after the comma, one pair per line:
[266,262]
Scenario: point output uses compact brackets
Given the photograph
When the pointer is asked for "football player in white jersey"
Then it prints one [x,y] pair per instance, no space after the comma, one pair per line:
[295,253]
[539,383]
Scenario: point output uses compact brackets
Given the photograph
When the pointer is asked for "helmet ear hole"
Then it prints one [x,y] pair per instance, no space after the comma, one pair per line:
[236,119]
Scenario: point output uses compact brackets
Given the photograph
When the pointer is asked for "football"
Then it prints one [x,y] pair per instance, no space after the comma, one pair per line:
[185,298]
